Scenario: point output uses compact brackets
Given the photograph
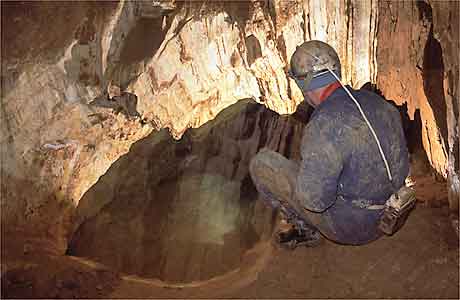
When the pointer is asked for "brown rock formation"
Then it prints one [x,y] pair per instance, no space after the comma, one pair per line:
[418,64]
[165,196]
[185,61]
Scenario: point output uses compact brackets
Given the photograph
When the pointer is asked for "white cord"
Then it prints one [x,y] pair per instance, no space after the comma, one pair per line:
[368,125]
[364,117]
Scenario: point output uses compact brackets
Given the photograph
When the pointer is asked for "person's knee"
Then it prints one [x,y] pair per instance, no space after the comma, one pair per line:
[273,170]
[274,160]
[259,162]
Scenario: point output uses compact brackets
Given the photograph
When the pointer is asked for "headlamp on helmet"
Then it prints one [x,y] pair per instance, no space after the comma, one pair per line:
[311,65]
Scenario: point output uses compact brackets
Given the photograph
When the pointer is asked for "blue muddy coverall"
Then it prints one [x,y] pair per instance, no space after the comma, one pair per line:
[341,172]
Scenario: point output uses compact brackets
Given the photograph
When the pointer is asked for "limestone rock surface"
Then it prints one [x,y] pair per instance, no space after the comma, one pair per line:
[185,61]
[418,65]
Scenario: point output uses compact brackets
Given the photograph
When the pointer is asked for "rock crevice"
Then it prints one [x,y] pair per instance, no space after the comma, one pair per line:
[185,62]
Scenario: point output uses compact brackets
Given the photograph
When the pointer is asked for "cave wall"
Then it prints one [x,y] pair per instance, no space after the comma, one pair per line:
[186,61]
[417,57]
[244,52]
[165,196]
[447,31]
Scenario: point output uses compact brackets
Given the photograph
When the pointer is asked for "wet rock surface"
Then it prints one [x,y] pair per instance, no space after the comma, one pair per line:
[186,210]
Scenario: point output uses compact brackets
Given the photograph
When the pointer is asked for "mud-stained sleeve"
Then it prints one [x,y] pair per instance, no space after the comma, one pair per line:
[321,165]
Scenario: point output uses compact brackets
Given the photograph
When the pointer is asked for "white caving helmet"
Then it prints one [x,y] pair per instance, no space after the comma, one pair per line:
[311,64]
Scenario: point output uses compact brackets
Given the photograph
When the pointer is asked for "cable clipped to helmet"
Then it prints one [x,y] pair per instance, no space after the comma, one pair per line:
[382,154]
[390,177]
[396,209]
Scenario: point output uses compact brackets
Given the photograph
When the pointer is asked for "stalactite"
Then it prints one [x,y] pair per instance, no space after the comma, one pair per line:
[49,82]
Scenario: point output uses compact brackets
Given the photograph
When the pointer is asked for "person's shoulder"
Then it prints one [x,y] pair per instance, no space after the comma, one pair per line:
[370,96]
[332,104]
[337,106]
[330,115]
[378,100]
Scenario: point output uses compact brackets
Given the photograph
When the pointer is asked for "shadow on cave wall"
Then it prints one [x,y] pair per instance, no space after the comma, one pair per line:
[433,82]
[140,44]
[143,40]
[254,49]
[239,12]
[433,72]
[42,30]
[125,103]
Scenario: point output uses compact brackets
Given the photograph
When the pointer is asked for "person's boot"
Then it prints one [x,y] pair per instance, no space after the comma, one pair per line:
[296,236]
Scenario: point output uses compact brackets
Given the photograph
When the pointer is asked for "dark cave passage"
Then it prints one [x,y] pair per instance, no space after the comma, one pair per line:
[183,211]
[99,199]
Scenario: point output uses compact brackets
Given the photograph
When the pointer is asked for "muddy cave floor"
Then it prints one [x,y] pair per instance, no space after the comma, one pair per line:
[420,261]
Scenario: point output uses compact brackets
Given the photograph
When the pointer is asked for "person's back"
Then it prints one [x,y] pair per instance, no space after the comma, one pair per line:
[342,182]
[357,177]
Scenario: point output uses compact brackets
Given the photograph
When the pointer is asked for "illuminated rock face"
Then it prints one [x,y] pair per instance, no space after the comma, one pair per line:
[418,64]
[236,51]
[184,62]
